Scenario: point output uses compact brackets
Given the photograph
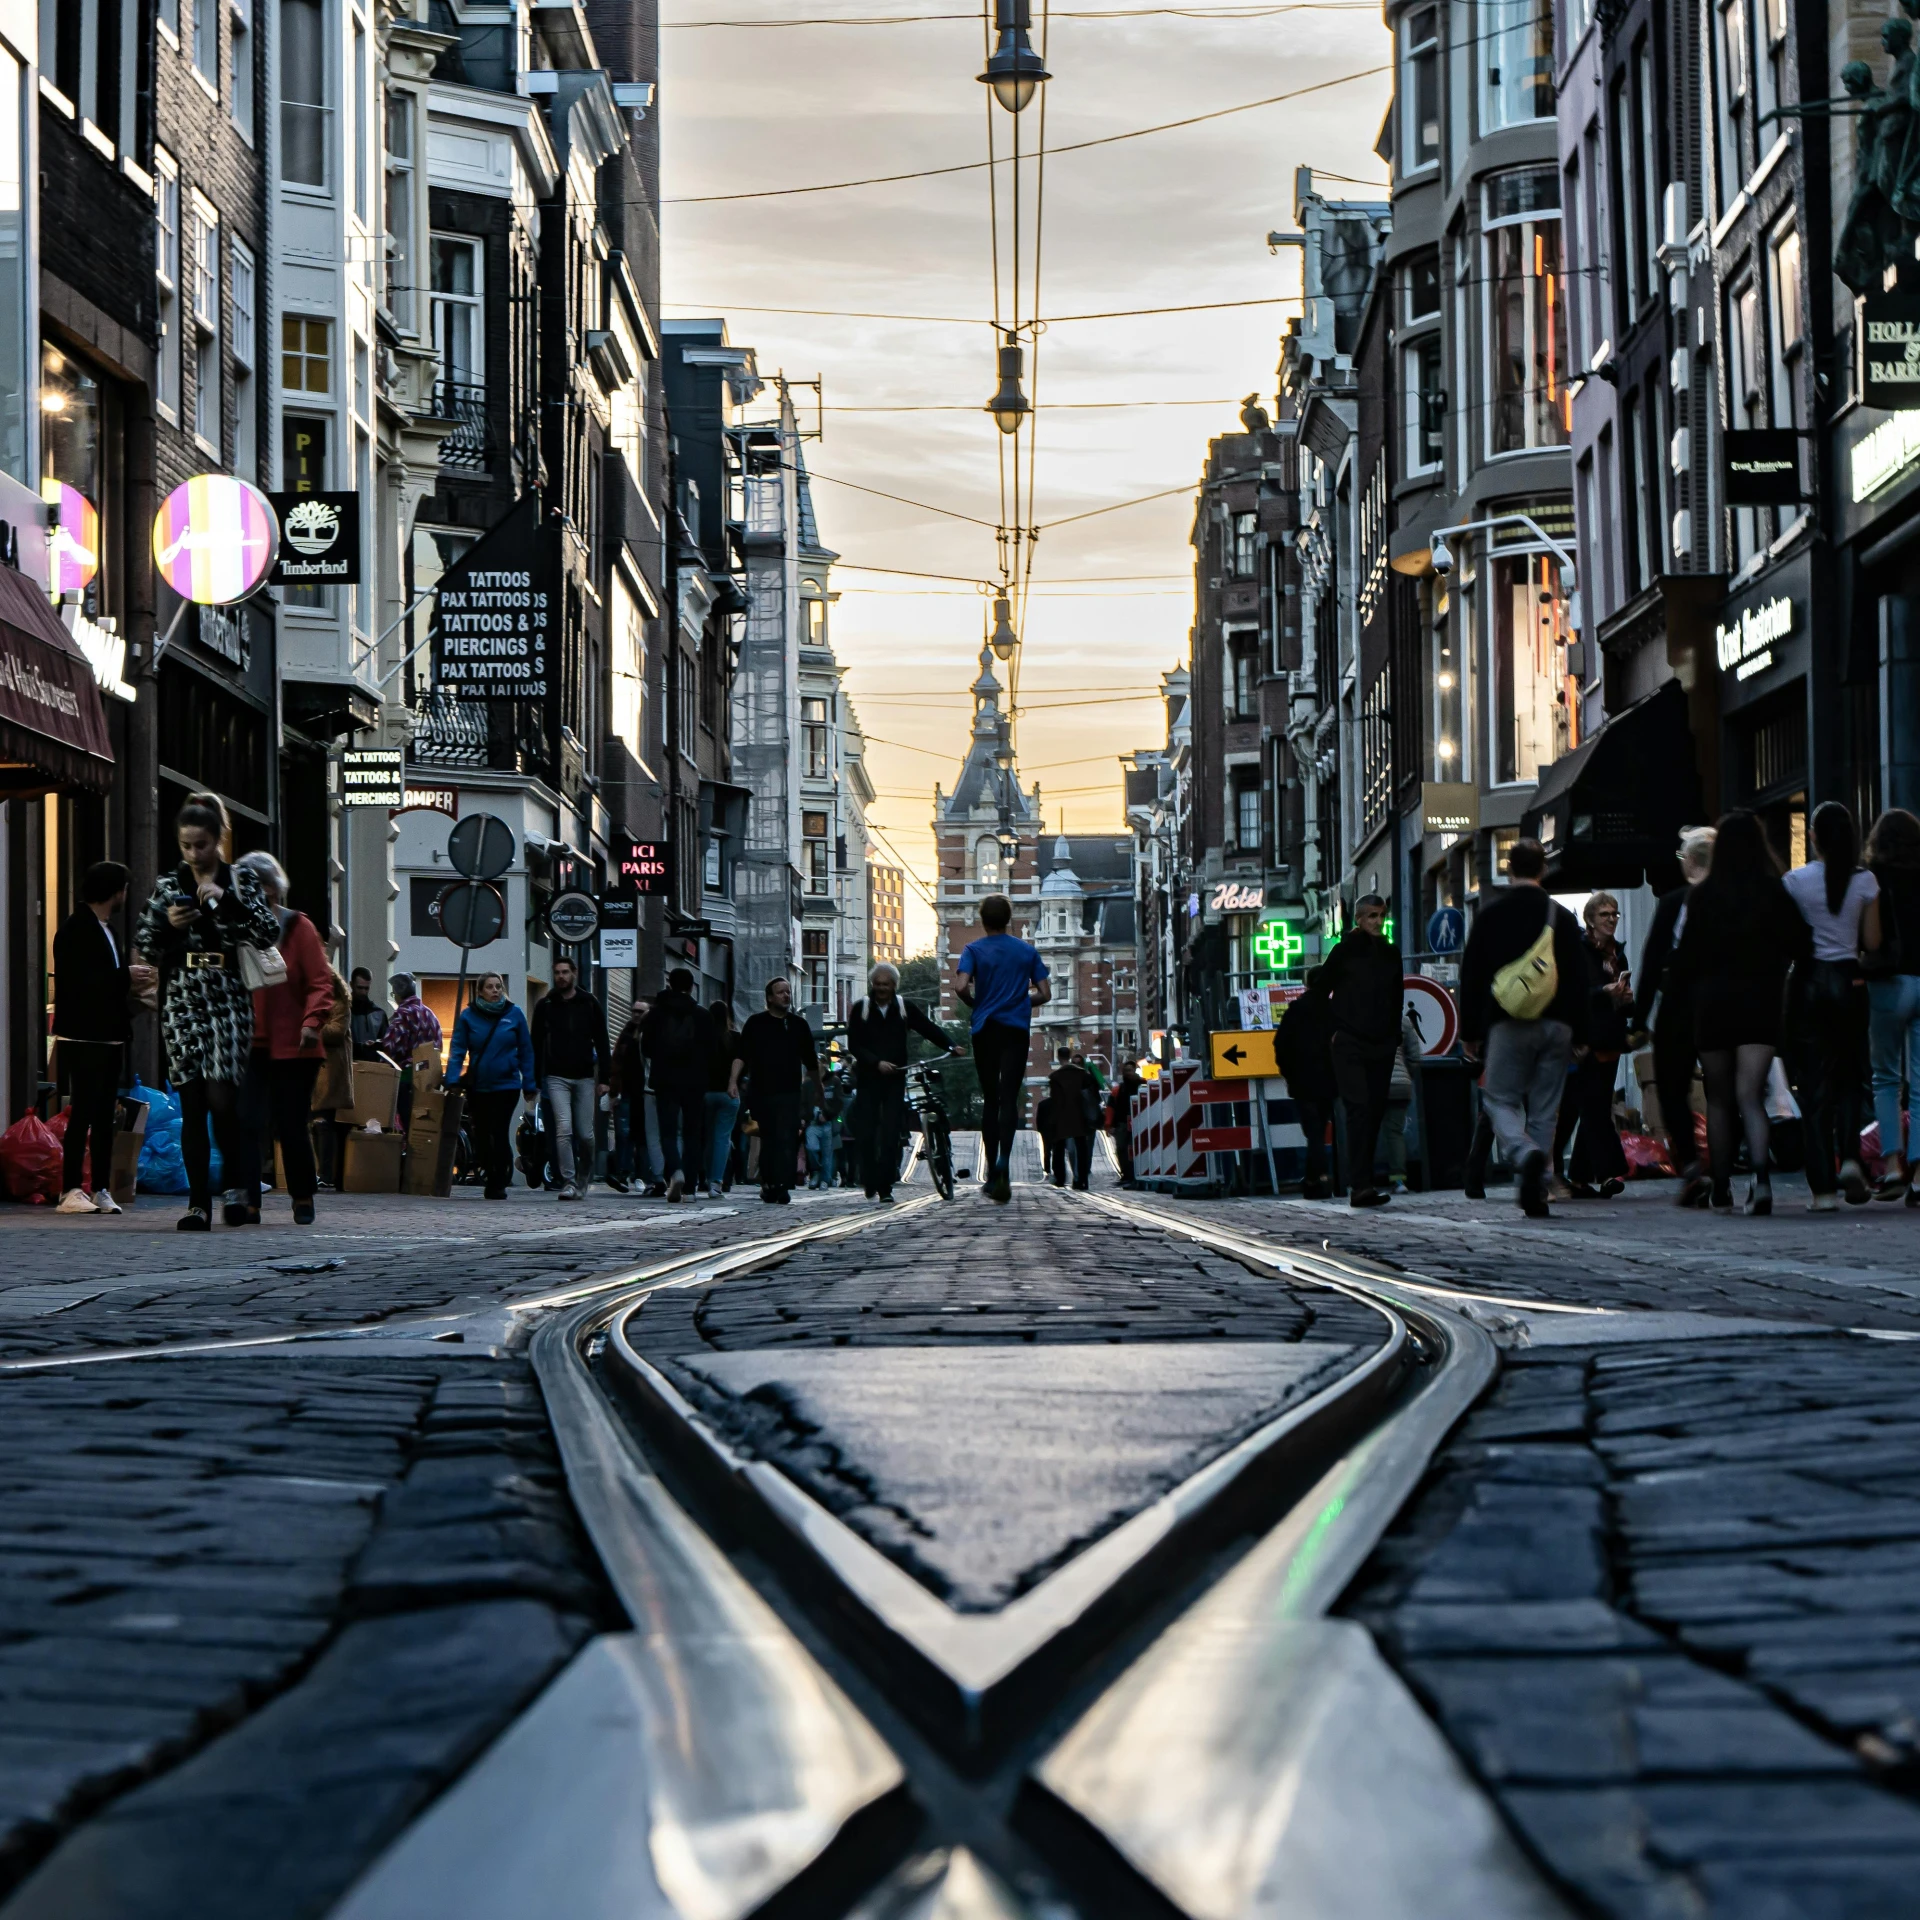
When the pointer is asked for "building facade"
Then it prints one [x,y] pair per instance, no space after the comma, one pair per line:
[886,913]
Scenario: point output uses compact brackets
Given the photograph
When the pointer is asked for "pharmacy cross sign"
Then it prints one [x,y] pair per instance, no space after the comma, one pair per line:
[1278,946]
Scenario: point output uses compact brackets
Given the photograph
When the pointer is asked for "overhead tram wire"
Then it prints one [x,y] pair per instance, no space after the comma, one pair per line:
[1075,146]
[1227,13]
[960,320]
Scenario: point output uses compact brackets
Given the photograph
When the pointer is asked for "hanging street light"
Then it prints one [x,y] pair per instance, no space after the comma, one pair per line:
[1010,406]
[1014,70]
[1004,637]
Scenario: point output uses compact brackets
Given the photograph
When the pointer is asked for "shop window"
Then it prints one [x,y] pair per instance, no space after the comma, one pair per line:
[206,325]
[1527,331]
[246,324]
[166,274]
[1420,90]
[1533,718]
[306,109]
[815,853]
[813,739]
[1516,63]
[306,354]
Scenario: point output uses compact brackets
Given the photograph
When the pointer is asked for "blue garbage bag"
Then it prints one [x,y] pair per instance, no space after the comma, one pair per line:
[161,1168]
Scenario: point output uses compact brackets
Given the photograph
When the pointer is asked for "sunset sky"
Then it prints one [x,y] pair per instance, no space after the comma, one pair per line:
[1174,218]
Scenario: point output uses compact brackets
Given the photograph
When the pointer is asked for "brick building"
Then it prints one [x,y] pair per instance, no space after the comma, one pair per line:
[887,913]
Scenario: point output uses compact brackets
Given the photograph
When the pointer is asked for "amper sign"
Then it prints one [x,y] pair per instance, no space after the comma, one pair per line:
[1746,647]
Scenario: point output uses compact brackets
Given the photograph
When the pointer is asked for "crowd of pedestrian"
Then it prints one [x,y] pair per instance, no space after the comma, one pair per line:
[1764,993]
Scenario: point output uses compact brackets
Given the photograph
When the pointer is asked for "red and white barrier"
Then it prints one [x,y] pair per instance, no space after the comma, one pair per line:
[1164,1121]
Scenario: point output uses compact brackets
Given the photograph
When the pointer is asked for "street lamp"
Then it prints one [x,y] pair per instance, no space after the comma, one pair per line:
[1014,70]
[1004,637]
[1010,406]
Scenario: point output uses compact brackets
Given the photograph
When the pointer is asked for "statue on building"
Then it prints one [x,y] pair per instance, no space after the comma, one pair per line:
[1253,416]
[1883,216]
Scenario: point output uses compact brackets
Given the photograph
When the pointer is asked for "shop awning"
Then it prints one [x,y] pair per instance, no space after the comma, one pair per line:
[1610,812]
[53,734]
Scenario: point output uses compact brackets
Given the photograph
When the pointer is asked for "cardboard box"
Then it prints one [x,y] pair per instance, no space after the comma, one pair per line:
[374,1162]
[430,1158]
[427,1071]
[376,1095]
[430,1111]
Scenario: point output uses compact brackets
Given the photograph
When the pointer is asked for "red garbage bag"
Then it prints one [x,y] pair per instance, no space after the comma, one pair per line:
[30,1160]
[1647,1158]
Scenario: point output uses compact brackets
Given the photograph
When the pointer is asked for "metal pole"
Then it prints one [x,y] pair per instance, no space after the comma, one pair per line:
[1266,1137]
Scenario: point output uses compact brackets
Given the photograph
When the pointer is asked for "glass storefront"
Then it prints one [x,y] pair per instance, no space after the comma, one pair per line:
[1534,719]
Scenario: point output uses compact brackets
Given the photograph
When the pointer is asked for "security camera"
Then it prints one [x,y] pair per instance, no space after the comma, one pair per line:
[1442,557]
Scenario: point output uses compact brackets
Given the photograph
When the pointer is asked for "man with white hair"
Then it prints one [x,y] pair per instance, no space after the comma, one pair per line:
[877,1030]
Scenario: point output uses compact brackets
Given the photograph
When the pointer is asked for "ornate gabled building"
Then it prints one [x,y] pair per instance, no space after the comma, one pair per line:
[1073,898]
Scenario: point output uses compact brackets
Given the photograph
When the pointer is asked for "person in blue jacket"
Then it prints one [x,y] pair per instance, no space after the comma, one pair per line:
[491,1061]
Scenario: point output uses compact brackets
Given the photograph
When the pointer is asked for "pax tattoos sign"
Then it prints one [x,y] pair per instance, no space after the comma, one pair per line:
[493,614]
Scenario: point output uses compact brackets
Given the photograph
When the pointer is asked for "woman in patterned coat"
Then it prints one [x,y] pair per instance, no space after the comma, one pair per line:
[199,917]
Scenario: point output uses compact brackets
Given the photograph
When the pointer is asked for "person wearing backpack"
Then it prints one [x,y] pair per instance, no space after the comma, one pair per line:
[677,1039]
[1524,1007]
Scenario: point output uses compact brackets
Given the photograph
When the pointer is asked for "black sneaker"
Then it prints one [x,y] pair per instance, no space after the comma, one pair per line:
[194,1220]
[1533,1185]
[1368,1197]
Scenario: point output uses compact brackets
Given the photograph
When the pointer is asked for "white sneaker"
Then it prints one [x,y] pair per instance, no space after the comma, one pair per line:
[677,1188]
[567,1192]
[75,1200]
[104,1202]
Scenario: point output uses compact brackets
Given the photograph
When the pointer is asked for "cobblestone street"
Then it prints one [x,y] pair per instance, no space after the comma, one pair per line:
[262,1604]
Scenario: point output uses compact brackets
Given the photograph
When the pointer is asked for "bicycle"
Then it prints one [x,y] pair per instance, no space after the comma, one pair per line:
[936,1136]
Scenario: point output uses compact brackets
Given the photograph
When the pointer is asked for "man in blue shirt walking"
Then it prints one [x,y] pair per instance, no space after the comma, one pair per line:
[1002,979]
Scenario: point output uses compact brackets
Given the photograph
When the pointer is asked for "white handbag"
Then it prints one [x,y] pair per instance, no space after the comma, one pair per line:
[262,967]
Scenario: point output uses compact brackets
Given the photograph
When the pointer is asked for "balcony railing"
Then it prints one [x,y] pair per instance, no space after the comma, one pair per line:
[466,404]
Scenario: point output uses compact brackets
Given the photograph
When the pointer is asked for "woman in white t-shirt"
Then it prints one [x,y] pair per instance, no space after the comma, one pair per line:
[1829,1000]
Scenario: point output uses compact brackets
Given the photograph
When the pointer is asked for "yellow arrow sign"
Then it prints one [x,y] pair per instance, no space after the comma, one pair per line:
[1245,1056]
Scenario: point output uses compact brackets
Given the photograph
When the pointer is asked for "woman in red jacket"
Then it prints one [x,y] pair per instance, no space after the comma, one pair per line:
[287,1020]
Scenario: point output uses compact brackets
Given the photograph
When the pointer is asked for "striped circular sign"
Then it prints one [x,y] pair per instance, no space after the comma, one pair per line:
[74,548]
[214,539]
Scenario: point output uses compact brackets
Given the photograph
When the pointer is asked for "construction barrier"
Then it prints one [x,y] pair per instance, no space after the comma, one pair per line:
[1163,1122]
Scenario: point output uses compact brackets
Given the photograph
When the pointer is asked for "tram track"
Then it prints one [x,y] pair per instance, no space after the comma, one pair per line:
[1169,1724]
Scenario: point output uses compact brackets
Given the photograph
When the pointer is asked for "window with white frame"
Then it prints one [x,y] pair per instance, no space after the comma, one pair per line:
[1646,116]
[1423,375]
[1784,291]
[166,274]
[1626,201]
[813,737]
[204,23]
[240,65]
[1730,94]
[456,312]
[1420,90]
[1516,63]
[361,125]
[1243,668]
[206,324]
[402,269]
[1526,332]
[816,867]
[1246,811]
[306,102]
[245,350]
[1244,545]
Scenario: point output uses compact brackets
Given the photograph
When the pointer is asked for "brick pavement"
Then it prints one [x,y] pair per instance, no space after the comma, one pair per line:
[68,1284]
[1663,1601]
[1857,1267]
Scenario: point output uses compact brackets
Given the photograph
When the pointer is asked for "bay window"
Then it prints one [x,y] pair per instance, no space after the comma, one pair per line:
[1527,321]
[1420,90]
[1533,718]
[1516,63]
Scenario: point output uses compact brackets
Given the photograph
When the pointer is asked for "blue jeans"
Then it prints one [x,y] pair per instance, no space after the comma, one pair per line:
[1893,1032]
[822,1137]
[723,1115]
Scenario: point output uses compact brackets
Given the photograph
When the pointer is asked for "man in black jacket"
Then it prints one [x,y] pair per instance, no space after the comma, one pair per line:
[1303,1046]
[676,1038]
[1076,1106]
[877,1030]
[1367,991]
[777,1055]
[572,1062]
[93,985]
[1526,1060]
[1673,1048]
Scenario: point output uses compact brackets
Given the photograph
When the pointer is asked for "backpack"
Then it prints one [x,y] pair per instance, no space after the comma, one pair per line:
[1525,988]
[681,1040]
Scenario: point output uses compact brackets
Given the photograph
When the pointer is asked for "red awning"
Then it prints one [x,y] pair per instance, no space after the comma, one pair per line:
[53,733]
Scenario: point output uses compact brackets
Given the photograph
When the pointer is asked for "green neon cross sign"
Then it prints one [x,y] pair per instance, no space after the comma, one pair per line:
[1278,946]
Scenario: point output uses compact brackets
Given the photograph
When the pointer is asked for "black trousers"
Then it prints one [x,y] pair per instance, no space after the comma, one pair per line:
[1588,1107]
[1363,1072]
[493,1134]
[777,1115]
[220,1100]
[681,1113]
[93,1079]
[1314,1117]
[1673,1058]
[1830,1062]
[279,1108]
[1000,1059]
[879,1121]
[1075,1153]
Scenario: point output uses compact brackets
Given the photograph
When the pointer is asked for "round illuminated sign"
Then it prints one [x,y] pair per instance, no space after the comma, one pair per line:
[214,539]
[73,549]
[574,917]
